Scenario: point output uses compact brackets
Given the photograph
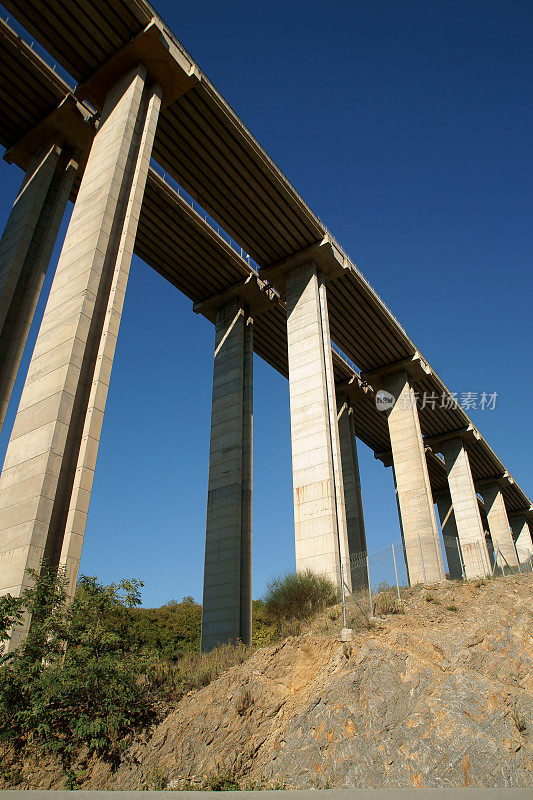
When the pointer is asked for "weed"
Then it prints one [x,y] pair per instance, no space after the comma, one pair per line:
[73,780]
[452,607]
[156,779]
[430,598]
[388,603]
[225,778]
[244,701]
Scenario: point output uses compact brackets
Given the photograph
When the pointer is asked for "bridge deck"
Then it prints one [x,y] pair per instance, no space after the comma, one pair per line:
[205,147]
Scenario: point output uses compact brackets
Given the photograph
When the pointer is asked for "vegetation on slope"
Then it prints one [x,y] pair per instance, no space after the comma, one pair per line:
[90,677]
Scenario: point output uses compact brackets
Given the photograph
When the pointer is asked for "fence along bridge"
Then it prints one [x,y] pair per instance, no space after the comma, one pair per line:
[137,105]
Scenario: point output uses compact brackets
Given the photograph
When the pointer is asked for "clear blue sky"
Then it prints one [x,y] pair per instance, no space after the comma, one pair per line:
[407,128]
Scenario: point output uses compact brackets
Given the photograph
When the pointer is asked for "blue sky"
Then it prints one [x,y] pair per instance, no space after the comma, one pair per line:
[407,129]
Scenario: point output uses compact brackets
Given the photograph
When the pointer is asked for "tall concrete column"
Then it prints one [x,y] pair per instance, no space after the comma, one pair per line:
[353,500]
[25,250]
[319,511]
[49,466]
[499,527]
[466,508]
[227,600]
[450,534]
[523,540]
[415,501]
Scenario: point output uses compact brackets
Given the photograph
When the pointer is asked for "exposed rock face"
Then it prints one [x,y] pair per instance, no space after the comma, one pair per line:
[439,696]
[434,697]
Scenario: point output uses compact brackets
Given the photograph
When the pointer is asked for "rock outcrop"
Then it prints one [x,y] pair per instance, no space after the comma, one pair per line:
[439,696]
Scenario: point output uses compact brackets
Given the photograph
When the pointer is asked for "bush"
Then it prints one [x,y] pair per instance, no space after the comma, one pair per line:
[87,695]
[299,595]
[388,603]
[171,631]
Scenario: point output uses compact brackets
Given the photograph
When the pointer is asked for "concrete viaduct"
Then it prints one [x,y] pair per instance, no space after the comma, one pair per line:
[137,104]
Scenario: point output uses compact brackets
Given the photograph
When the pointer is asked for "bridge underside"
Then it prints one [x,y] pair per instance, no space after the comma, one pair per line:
[327,331]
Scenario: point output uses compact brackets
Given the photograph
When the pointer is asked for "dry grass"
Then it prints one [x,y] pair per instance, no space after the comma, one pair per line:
[194,670]
[388,603]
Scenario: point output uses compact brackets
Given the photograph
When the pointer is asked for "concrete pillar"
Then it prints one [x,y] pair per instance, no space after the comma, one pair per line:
[227,600]
[522,536]
[48,470]
[319,512]
[415,501]
[355,522]
[25,250]
[450,534]
[499,527]
[466,508]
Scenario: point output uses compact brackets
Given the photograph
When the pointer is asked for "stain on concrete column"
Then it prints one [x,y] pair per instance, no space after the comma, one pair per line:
[466,508]
[353,499]
[227,600]
[49,466]
[319,514]
[25,250]
[499,527]
[415,501]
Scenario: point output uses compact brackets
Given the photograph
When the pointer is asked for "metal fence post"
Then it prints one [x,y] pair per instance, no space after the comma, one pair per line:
[495,561]
[396,572]
[369,584]
[480,559]
[503,570]
[422,559]
[461,559]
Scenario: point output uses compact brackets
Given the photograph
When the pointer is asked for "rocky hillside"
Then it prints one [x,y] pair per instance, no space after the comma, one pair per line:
[439,696]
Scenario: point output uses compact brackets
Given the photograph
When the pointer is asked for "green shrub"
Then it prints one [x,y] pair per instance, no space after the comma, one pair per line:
[299,595]
[264,630]
[87,695]
[170,631]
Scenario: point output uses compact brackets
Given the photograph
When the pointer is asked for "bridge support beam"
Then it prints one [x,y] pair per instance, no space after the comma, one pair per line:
[227,599]
[415,502]
[449,531]
[25,250]
[49,466]
[355,521]
[319,511]
[499,527]
[466,508]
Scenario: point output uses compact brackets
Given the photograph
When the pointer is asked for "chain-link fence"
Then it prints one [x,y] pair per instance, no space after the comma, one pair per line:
[380,574]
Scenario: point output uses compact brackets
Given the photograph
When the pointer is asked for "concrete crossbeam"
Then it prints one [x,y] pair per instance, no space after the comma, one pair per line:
[413,489]
[49,466]
[227,600]
[25,250]
[353,499]
[466,508]
[499,527]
